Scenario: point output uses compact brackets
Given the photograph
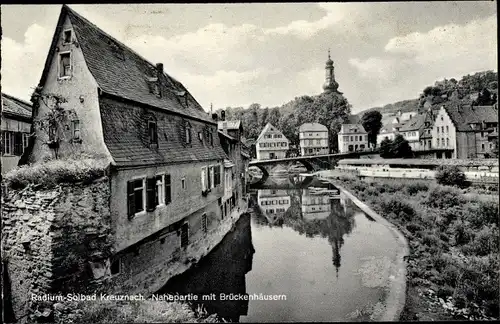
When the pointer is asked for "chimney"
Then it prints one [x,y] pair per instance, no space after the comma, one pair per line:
[159,68]
[223,115]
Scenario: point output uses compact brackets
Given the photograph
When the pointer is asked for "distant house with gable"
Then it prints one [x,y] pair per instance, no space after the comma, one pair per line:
[16,123]
[271,143]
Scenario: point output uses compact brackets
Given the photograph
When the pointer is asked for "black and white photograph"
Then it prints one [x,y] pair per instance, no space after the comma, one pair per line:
[249,162]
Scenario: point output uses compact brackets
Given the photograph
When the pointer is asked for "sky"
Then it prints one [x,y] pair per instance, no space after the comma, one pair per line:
[233,55]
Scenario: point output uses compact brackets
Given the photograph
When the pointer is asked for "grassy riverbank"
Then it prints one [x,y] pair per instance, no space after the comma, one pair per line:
[146,311]
[453,267]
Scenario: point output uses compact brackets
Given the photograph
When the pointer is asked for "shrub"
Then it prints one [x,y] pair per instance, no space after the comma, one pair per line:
[50,173]
[398,206]
[451,175]
[413,188]
[443,197]
[485,242]
[414,227]
[430,239]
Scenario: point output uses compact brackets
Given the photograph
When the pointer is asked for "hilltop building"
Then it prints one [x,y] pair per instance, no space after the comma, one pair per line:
[271,144]
[313,139]
[16,123]
[352,138]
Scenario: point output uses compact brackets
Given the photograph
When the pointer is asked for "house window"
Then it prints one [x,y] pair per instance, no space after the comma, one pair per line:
[204,179]
[482,147]
[136,195]
[352,139]
[160,188]
[442,129]
[152,132]
[442,142]
[183,183]
[64,65]
[447,142]
[67,36]
[318,141]
[76,129]
[447,129]
[200,136]
[204,223]
[115,266]
[184,235]
[438,129]
[211,177]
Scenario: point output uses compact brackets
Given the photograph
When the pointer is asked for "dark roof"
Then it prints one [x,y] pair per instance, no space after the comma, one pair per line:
[415,123]
[124,129]
[16,107]
[462,116]
[120,71]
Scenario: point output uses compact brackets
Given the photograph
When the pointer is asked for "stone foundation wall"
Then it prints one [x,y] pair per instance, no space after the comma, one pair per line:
[49,239]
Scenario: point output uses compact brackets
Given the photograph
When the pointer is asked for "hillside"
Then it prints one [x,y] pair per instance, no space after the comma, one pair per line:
[465,91]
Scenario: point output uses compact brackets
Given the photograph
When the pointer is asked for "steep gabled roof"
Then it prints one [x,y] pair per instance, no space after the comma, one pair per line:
[463,116]
[15,107]
[121,72]
[266,129]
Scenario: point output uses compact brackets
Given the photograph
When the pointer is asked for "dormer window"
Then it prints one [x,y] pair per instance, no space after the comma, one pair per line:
[65,65]
[67,37]
[152,132]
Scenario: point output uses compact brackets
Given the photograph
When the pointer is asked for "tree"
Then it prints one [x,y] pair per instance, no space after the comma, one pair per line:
[400,148]
[372,122]
[385,148]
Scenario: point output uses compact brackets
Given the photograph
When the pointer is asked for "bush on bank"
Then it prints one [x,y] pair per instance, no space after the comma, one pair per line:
[454,241]
[47,174]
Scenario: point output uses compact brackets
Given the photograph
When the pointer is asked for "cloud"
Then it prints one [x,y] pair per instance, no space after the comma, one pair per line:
[374,67]
[449,42]
[335,12]
[411,62]
[22,63]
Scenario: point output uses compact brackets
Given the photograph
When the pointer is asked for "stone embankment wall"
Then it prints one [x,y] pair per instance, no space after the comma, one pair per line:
[53,240]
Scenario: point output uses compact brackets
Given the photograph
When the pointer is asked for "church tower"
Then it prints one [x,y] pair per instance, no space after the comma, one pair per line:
[330,84]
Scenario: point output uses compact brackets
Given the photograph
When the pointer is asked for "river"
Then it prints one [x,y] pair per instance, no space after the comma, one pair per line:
[310,250]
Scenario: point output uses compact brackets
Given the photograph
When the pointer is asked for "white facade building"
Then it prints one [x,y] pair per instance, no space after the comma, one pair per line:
[313,139]
[271,144]
[352,138]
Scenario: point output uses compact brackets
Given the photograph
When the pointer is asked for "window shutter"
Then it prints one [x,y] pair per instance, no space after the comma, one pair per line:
[4,134]
[208,176]
[168,192]
[150,194]
[130,199]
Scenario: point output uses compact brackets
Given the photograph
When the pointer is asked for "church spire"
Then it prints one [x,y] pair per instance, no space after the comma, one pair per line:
[330,84]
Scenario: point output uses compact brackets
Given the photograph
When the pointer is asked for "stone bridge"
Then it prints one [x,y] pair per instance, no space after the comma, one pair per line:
[311,163]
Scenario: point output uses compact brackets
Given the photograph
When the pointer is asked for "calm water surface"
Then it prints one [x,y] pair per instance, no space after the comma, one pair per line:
[305,244]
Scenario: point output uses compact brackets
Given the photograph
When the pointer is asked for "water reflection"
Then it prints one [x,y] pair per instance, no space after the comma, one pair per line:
[298,234]
[319,210]
[221,271]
